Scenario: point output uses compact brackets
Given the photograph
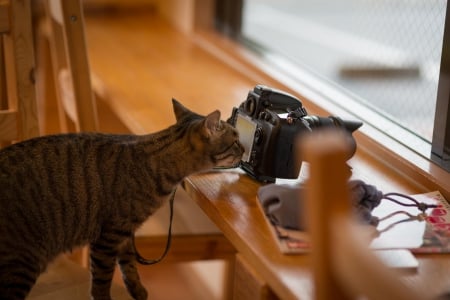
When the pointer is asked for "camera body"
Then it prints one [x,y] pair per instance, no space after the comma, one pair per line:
[269,122]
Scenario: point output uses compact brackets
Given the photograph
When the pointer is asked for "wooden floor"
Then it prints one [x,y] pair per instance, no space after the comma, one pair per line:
[65,279]
[175,281]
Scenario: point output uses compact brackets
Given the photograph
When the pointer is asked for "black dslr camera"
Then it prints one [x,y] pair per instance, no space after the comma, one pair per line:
[268,122]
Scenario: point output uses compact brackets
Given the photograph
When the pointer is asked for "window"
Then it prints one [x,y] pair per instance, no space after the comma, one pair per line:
[380,60]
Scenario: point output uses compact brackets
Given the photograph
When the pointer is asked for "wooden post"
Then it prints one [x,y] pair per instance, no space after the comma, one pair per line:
[327,196]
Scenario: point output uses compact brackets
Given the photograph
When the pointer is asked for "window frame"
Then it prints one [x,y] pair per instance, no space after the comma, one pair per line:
[440,152]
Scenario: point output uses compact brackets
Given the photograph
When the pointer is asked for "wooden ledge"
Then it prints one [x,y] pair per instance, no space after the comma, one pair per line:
[185,248]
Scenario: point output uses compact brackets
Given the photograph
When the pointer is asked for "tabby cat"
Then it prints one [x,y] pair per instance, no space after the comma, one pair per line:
[62,191]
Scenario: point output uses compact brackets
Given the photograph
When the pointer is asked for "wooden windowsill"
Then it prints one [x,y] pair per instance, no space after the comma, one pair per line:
[140,62]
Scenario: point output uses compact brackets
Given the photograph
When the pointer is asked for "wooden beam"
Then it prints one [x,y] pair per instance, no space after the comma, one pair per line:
[186,247]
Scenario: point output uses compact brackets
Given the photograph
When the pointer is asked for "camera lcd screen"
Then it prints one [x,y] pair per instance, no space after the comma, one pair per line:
[246,128]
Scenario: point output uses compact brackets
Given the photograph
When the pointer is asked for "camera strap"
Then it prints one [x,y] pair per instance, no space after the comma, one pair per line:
[144,261]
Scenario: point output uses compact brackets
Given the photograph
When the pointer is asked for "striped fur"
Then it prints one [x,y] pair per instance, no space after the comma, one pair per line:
[63,191]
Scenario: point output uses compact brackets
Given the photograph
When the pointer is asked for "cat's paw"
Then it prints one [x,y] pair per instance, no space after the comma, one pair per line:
[141,295]
[138,292]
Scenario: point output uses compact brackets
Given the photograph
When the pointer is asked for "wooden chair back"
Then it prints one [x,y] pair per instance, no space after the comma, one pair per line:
[18,107]
[65,73]
[70,65]
[343,266]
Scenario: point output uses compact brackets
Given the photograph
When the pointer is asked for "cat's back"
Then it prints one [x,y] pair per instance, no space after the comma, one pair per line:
[40,166]
[50,186]
[54,156]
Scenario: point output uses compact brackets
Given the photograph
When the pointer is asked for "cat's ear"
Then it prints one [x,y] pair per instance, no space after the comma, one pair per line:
[212,123]
[179,109]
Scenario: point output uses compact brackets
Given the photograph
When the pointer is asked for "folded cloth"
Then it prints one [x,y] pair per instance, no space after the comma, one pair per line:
[283,204]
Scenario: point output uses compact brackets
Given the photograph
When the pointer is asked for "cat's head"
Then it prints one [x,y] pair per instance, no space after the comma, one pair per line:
[212,138]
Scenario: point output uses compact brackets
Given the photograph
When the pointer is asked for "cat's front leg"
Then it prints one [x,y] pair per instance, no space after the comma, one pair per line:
[103,256]
[127,263]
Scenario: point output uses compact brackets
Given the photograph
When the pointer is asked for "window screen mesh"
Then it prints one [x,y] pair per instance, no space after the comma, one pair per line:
[385,53]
